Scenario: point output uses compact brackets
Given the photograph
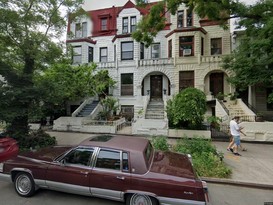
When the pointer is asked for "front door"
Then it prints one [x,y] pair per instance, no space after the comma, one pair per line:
[156,86]
[216,83]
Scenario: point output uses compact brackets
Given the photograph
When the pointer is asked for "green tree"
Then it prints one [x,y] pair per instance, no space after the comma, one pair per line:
[156,20]
[27,47]
[187,109]
[252,62]
[63,82]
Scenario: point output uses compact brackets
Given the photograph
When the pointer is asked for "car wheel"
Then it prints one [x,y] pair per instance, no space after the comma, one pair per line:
[24,184]
[139,199]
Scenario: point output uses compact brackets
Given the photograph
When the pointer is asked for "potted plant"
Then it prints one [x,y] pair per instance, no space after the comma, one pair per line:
[233,97]
[220,96]
[214,122]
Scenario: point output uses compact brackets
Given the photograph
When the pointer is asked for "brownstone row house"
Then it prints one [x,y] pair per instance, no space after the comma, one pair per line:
[186,53]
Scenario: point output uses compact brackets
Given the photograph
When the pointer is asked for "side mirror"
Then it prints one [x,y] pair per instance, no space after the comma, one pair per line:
[63,162]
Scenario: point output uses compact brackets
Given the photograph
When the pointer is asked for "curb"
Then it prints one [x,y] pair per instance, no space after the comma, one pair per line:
[237,183]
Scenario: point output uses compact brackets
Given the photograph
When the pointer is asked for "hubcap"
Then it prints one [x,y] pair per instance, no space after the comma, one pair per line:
[140,200]
[23,184]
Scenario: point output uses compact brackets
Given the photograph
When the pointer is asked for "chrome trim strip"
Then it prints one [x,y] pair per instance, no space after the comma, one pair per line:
[5,177]
[175,201]
[108,194]
[69,188]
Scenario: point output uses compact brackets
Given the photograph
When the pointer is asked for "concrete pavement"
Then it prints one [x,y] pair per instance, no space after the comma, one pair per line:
[253,169]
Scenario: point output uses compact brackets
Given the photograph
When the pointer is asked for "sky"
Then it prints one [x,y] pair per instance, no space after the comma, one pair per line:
[97,4]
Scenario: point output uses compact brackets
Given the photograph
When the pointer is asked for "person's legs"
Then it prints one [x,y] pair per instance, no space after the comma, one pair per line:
[230,146]
[236,145]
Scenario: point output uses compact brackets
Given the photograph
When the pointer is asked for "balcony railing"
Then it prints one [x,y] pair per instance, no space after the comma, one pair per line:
[210,59]
[153,62]
[106,64]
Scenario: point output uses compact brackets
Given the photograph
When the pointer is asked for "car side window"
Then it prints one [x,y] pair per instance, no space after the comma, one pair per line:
[125,162]
[108,159]
[80,156]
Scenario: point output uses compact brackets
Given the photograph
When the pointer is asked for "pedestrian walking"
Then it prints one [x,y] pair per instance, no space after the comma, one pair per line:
[235,130]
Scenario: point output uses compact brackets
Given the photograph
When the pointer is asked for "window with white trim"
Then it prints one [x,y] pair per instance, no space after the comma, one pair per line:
[127,50]
[103,54]
[155,50]
[77,55]
[133,24]
[125,25]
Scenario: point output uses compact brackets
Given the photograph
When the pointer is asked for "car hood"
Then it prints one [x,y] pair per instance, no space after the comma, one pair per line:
[174,164]
[45,154]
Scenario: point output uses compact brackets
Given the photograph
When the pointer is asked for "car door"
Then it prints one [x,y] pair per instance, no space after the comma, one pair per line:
[71,172]
[111,174]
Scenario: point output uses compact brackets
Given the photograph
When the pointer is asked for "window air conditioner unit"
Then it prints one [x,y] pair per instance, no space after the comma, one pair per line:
[186,52]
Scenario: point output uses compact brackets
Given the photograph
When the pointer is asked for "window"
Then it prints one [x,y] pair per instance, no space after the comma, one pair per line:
[189,17]
[127,51]
[170,48]
[141,50]
[186,45]
[78,31]
[155,50]
[108,159]
[77,55]
[127,87]
[103,54]
[81,30]
[216,46]
[133,23]
[180,19]
[186,79]
[125,25]
[84,29]
[104,24]
[79,156]
[125,162]
[90,54]
[202,46]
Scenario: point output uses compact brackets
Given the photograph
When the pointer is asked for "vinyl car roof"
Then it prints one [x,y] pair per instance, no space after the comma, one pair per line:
[117,142]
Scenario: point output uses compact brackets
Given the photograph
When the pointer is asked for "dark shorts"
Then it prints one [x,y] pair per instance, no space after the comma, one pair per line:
[237,140]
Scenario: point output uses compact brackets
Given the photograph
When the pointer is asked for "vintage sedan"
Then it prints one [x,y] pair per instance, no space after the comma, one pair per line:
[8,147]
[121,168]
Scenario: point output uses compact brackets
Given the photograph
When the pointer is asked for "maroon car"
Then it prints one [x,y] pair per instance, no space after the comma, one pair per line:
[114,167]
[8,148]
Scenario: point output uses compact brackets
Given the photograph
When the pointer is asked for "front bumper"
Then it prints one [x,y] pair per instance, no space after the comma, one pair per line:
[5,177]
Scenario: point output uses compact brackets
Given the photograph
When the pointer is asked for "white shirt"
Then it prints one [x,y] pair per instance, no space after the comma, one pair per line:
[234,128]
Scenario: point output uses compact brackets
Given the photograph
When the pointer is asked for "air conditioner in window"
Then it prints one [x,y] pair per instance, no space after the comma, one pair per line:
[186,52]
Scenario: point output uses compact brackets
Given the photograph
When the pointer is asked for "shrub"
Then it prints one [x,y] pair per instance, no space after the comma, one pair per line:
[37,139]
[187,109]
[206,161]
[160,143]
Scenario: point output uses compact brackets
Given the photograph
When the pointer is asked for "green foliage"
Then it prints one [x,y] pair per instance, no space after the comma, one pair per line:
[109,106]
[206,161]
[187,109]
[214,122]
[160,143]
[251,63]
[27,48]
[37,139]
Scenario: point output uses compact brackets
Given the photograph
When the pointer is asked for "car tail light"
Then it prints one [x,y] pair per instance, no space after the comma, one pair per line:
[206,191]
[1,167]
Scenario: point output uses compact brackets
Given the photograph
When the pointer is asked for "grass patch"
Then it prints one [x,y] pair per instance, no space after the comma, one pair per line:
[207,162]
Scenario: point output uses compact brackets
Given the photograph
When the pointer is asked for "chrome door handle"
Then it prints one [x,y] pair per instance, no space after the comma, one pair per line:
[121,178]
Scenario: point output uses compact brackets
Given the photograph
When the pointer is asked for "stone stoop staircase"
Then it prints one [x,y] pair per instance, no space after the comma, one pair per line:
[155,110]
[235,110]
[87,110]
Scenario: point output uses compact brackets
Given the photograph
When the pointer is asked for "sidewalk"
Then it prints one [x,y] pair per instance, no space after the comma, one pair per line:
[253,169]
